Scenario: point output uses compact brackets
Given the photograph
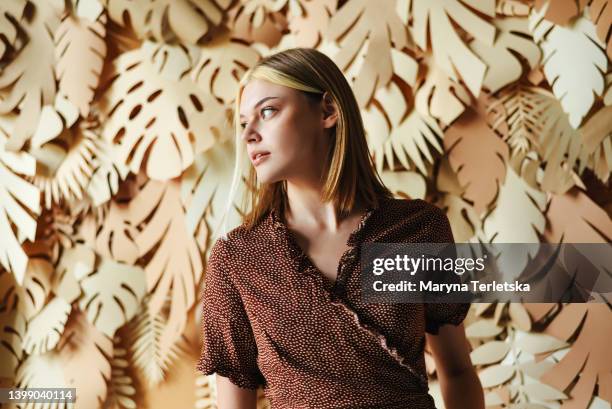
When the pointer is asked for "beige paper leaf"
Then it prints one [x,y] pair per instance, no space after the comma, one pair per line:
[535,343]
[441,97]
[108,172]
[14,212]
[257,21]
[156,114]
[495,375]
[478,157]
[411,133]
[162,20]
[121,389]
[560,146]
[517,217]
[432,19]
[463,219]
[483,328]
[597,139]
[43,371]
[66,174]
[503,67]
[575,218]
[30,73]
[85,354]
[9,10]
[353,23]
[523,106]
[176,264]
[152,357]
[222,64]
[205,186]
[601,15]
[80,51]
[115,239]
[54,119]
[588,359]
[112,295]
[405,184]
[13,325]
[309,25]
[30,296]
[575,84]
[45,329]
[489,353]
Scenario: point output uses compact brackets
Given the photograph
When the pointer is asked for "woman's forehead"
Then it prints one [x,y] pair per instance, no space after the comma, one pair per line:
[255,90]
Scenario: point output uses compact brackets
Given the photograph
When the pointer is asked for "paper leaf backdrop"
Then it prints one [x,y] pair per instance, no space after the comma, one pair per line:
[116,155]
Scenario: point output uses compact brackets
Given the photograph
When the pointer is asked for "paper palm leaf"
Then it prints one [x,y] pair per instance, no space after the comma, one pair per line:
[151,356]
[432,19]
[30,296]
[85,354]
[176,266]
[205,185]
[503,67]
[13,212]
[67,173]
[156,114]
[112,295]
[30,74]
[382,27]
[222,63]
[188,20]
[80,51]
[411,133]
[121,389]
[115,238]
[574,63]
[523,106]
[405,184]
[478,157]
[108,172]
[597,139]
[46,328]
[8,32]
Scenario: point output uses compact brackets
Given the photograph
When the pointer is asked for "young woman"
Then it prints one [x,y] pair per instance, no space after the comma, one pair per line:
[282,306]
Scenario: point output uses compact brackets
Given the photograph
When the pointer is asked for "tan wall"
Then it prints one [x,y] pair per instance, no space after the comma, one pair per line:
[498,112]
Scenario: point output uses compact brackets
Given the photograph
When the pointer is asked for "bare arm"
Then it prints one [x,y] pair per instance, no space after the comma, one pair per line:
[230,396]
[459,382]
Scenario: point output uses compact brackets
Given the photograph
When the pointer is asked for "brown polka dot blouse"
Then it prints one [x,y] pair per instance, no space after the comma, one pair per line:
[270,317]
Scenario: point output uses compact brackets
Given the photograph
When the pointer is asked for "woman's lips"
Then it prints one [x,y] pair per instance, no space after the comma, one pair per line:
[260,157]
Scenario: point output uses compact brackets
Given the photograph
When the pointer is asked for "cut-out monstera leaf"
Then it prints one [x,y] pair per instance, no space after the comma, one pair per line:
[353,23]
[309,25]
[45,329]
[30,74]
[156,113]
[434,20]
[13,325]
[9,10]
[162,20]
[112,295]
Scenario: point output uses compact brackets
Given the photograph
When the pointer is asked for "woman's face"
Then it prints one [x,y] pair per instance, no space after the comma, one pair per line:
[288,128]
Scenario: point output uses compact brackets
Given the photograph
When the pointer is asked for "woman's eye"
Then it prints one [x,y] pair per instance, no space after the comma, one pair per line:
[267,109]
[243,125]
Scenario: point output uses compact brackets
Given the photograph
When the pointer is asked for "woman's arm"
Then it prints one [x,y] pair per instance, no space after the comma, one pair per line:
[459,382]
[230,396]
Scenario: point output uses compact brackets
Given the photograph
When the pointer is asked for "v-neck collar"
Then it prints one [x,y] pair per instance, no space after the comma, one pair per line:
[303,262]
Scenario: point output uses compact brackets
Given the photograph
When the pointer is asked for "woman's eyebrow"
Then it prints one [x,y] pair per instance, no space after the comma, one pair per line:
[261,101]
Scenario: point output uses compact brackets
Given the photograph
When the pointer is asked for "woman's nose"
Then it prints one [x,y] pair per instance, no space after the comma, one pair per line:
[250,134]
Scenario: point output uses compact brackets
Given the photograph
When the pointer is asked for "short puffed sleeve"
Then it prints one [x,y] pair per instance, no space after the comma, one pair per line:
[228,344]
[438,314]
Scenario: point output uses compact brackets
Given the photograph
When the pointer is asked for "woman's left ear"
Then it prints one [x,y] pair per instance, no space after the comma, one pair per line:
[330,111]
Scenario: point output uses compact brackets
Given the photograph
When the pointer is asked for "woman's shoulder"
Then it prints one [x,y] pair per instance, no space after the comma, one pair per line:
[415,215]
[411,207]
[240,237]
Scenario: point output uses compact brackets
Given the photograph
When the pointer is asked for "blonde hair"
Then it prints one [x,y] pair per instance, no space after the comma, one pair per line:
[349,171]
